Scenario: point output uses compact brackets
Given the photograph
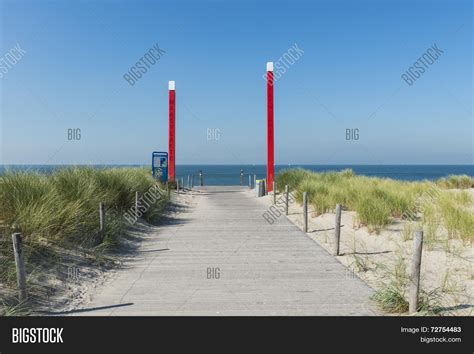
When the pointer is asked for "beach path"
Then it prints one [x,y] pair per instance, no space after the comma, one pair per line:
[219,256]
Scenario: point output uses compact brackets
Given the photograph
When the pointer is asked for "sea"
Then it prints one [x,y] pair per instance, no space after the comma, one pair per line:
[221,175]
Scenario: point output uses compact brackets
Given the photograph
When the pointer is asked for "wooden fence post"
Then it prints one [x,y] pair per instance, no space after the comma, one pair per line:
[201,179]
[241,177]
[189,181]
[250,181]
[274,193]
[177,185]
[415,271]
[20,266]
[136,204]
[287,192]
[337,229]
[254,181]
[101,219]
[305,212]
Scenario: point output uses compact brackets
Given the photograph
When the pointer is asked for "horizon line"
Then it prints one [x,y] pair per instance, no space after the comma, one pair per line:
[244,164]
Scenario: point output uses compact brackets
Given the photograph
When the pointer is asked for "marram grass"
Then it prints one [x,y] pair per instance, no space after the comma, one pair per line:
[379,201]
[61,210]
[456,181]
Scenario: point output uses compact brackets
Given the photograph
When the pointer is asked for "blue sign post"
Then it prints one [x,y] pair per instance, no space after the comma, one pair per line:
[159,165]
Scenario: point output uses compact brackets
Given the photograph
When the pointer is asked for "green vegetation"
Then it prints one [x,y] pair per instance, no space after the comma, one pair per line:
[457,218]
[378,201]
[390,296]
[60,211]
[407,232]
[375,200]
[456,181]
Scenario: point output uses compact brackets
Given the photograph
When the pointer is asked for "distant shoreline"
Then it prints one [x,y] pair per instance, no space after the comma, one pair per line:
[230,174]
[246,164]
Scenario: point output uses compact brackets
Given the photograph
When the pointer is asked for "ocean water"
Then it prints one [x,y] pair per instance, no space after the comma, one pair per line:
[230,174]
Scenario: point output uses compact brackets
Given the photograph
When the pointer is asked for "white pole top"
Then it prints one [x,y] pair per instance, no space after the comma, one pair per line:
[171,85]
[270,66]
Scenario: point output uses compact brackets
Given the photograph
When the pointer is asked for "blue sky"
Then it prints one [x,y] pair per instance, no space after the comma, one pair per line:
[348,77]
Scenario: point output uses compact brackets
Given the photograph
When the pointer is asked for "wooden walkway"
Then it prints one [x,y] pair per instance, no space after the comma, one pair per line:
[221,257]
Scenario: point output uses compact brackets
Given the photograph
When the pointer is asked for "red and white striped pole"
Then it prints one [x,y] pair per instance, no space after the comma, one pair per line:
[270,134]
[171,130]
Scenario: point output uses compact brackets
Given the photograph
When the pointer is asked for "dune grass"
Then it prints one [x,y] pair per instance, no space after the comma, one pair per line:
[457,218]
[61,210]
[456,181]
[378,201]
[391,294]
[375,200]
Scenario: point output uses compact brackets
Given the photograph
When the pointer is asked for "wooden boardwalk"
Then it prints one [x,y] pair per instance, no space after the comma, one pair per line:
[221,257]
